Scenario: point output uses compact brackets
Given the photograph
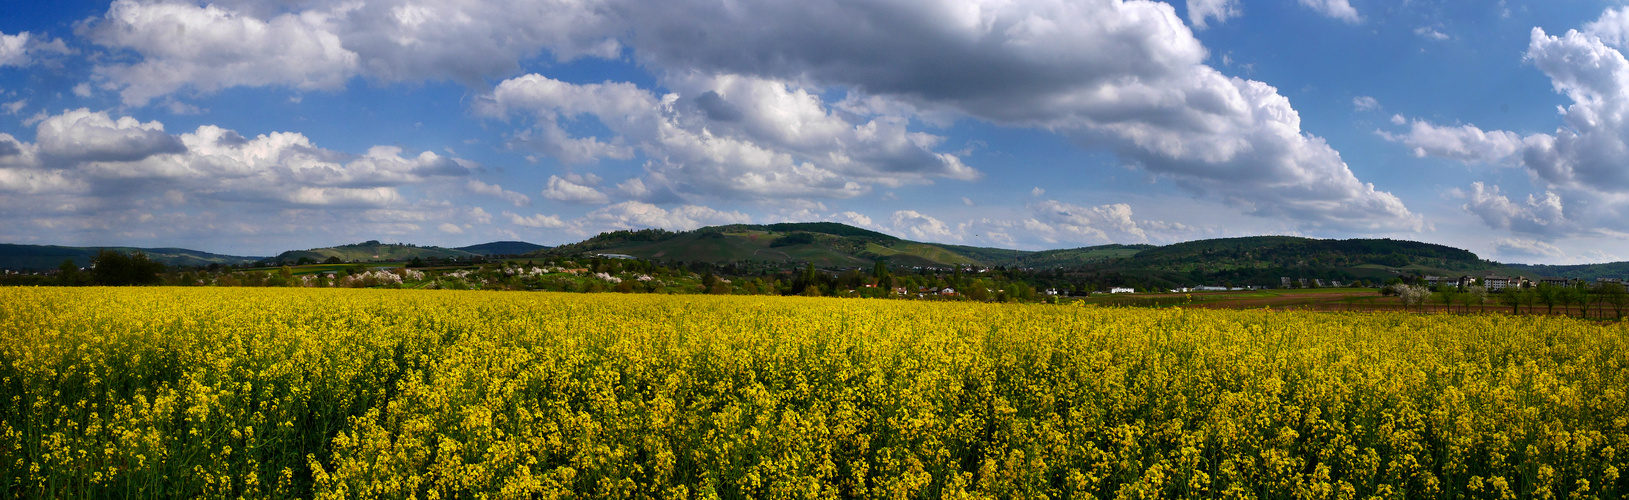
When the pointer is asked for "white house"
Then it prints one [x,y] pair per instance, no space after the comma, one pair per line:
[1121,289]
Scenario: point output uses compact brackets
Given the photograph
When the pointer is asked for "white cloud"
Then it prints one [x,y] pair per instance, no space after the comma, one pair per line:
[1591,152]
[575,189]
[1612,28]
[1055,221]
[1398,120]
[212,47]
[1539,215]
[636,215]
[450,228]
[1127,76]
[496,191]
[1430,33]
[14,107]
[20,49]
[728,136]
[1464,143]
[321,45]
[83,135]
[14,49]
[1037,192]
[1581,166]
[535,221]
[920,227]
[1220,10]
[745,118]
[1365,103]
[1338,9]
[1521,247]
[106,163]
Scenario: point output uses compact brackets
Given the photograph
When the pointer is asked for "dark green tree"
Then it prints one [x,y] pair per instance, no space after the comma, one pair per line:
[1548,295]
[111,268]
[1510,296]
[69,273]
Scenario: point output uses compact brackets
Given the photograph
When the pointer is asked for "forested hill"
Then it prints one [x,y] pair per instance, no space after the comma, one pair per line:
[1258,252]
[503,248]
[44,257]
[839,245]
[1590,272]
[372,251]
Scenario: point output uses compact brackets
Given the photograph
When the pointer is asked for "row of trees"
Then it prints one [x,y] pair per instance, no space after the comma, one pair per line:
[1599,299]
[110,268]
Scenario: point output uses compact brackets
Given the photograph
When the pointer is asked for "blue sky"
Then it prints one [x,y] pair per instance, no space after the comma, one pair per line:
[256,126]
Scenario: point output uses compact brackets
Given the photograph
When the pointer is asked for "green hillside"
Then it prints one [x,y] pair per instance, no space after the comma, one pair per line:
[1260,260]
[503,248]
[373,251]
[825,244]
[44,257]
[1266,252]
[1590,272]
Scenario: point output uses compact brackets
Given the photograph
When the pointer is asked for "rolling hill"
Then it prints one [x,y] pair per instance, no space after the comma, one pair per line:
[1589,272]
[373,251]
[503,248]
[44,257]
[1252,260]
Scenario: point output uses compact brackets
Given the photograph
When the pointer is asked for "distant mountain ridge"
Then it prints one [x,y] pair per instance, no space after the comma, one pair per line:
[503,248]
[1252,260]
[41,257]
[1619,270]
[373,250]
[45,257]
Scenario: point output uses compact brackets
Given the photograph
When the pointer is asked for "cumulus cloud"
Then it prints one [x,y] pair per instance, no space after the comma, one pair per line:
[1580,167]
[1125,75]
[535,221]
[637,215]
[1538,215]
[1521,247]
[122,157]
[13,49]
[23,48]
[918,226]
[575,188]
[1464,143]
[1591,151]
[1056,221]
[1582,164]
[1430,33]
[211,48]
[1365,103]
[1220,10]
[84,135]
[1044,224]
[1612,28]
[1338,9]
[496,191]
[745,118]
[776,141]
[1093,222]
[321,45]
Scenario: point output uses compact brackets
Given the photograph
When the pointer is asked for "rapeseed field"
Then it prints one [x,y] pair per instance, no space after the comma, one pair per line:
[332,393]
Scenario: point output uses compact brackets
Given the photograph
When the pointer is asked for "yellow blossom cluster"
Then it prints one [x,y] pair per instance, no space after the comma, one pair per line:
[341,393]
